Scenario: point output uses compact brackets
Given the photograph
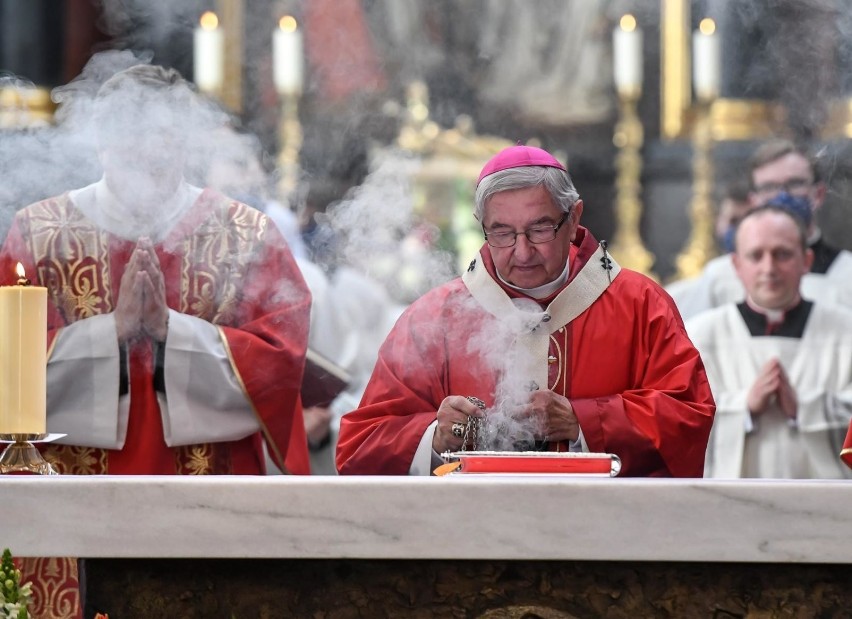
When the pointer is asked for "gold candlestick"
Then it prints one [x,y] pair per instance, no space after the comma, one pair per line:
[627,245]
[290,143]
[21,456]
[701,245]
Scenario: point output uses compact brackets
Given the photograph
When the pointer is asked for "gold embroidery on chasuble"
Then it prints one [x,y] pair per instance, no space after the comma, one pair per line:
[216,257]
[55,583]
[75,460]
[71,256]
[204,459]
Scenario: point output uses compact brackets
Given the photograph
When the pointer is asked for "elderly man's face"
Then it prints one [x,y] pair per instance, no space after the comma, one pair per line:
[526,264]
[770,261]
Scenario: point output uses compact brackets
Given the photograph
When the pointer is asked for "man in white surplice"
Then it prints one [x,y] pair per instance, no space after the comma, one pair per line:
[778,170]
[779,365]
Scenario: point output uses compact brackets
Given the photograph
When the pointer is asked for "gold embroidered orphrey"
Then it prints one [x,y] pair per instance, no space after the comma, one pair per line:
[72,258]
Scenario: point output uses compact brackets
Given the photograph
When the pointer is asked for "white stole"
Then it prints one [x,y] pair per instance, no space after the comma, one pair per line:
[531,330]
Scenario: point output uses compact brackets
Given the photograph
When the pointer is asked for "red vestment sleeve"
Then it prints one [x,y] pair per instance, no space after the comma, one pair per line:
[411,378]
[660,423]
[846,452]
[267,348]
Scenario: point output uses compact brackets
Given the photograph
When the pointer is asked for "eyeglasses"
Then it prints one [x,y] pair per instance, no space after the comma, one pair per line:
[793,186]
[536,234]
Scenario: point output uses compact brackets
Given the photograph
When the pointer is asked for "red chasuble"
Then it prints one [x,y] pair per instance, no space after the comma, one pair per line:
[846,453]
[636,383]
[224,263]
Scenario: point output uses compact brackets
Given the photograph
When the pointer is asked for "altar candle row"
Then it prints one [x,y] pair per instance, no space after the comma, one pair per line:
[627,58]
[287,55]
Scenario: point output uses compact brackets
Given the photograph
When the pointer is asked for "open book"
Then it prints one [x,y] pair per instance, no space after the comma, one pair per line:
[322,381]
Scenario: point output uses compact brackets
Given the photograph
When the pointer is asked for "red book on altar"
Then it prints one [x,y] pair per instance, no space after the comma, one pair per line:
[531,463]
[846,452]
[323,380]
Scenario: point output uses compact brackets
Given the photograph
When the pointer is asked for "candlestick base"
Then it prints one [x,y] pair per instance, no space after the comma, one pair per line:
[21,456]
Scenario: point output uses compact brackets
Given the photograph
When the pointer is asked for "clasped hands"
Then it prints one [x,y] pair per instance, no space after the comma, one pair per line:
[142,309]
[550,413]
[771,386]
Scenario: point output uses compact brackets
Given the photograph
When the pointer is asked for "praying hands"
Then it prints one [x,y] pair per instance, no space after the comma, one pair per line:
[772,386]
[142,309]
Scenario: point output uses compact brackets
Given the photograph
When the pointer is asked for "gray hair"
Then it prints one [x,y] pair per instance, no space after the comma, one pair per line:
[557,183]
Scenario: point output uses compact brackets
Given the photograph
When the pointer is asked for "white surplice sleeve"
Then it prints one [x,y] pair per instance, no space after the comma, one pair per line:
[83,399]
[204,401]
[425,458]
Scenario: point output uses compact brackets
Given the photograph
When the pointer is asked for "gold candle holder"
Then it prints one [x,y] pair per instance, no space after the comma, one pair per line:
[626,244]
[290,139]
[21,456]
[701,245]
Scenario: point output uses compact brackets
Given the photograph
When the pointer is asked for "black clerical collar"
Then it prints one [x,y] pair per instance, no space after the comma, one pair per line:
[824,255]
[792,323]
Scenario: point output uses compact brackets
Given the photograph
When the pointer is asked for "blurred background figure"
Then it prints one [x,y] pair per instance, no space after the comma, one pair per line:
[735,203]
[690,293]
[785,175]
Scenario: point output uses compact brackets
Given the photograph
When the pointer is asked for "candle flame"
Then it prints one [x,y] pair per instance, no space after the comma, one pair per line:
[288,23]
[627,23]
[19,269]
[209,21]
[707,26]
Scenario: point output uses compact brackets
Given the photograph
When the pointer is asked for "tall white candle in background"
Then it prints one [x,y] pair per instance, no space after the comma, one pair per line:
[23,357]
[288,57]
[627,56]
[706,60]
[208,54]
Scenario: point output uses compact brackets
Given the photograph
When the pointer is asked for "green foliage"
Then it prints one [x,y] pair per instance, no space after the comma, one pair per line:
[14,597]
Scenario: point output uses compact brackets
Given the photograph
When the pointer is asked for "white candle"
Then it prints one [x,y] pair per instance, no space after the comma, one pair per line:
[627,56]
[288,57]
[706,61]
[23,358]
[208,54]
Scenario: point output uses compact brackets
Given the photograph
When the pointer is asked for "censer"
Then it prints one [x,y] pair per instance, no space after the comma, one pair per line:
[477,455]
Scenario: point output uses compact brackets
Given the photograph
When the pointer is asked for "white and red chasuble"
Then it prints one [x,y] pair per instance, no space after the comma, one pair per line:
[239,308]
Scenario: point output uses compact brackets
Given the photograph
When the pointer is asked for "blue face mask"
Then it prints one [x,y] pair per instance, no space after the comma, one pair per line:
[727,239]
[800,206]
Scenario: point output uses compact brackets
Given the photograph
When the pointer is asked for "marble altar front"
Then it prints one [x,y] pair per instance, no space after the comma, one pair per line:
[459,546]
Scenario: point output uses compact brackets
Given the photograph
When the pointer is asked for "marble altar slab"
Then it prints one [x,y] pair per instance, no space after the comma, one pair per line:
[471,517]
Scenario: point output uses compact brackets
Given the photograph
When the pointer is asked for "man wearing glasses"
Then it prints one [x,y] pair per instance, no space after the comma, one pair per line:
[780,167]
[543,332]
[785,175]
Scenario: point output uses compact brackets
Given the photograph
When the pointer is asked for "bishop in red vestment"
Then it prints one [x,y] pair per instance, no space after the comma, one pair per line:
[545,325]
